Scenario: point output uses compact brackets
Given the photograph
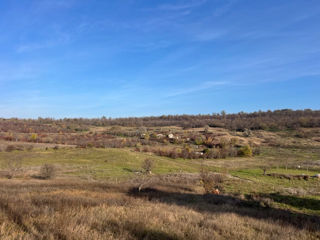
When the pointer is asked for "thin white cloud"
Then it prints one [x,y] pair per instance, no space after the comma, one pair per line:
[35,46]
[203,86]
[57,38]
[148,46]
[22,71]
[177,7]
[45,5]
[228,4]
[209,35]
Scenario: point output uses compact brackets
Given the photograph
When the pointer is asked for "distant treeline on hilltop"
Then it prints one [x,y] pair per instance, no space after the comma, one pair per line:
[269,120]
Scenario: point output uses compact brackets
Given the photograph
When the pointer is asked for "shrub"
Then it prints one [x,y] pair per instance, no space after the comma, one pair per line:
[209,142]
[256,151]
[148,165]
[234,141]
[33,137]
[146,149]
[210,181]
[265,169]
[198,141]
[245,151]
[11,148]
[29,147]
[206,181]
[47,171]
[173,154]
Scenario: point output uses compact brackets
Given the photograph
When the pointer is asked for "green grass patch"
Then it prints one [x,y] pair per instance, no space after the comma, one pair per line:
[100,163]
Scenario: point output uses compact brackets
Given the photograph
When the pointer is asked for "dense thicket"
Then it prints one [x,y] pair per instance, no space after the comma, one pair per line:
[270,120]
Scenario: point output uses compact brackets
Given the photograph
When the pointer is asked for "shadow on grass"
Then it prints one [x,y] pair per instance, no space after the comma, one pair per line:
[137,230]
[39,177]
[132,170]
[17,217]
[13,215]
[298,202]
[213,204]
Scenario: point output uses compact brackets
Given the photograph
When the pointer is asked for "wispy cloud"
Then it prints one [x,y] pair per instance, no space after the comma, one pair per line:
[22,71]
[203,86]
[36,46]
[149,46]
[176,7]
[228,4]
[205,36]
[107,57]
[55,38]
[45,5]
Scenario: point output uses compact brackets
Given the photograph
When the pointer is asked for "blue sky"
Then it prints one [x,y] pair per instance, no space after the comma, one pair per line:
[118,58]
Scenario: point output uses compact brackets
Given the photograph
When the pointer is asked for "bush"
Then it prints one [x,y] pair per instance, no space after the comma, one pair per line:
[256,151]
[29,147]
[47,171]
[11,148]
[198,141]
[245,151]
[33,137]
[173,154]
[148,165]
[210,181]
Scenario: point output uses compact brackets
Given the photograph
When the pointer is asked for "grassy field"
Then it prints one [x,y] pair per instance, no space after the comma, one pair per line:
[98,163]
[244,175]
[94,195]
[69,209]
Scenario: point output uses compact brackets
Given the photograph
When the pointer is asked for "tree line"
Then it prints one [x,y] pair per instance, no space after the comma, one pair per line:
[264,120]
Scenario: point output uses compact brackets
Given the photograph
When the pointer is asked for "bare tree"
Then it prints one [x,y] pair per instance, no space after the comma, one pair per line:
[148,165]
[47,171]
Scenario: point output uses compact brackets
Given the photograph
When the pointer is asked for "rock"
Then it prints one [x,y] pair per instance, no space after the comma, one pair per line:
[159,135]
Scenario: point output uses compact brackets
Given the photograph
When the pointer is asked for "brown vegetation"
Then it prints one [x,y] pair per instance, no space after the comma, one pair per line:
[83,210]
[210,181]
[289,176]
[148,165]
[47,171]
[238,135]
[225,205]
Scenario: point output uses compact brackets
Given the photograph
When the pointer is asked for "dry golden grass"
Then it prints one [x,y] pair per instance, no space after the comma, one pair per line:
[65,209]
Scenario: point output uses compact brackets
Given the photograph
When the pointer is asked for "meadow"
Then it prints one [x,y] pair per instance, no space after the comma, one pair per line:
[52,188]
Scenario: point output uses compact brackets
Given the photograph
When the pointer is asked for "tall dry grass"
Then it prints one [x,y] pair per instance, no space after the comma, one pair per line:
[57,209]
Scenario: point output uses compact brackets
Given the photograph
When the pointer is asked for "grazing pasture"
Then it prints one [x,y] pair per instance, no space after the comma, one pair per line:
[158,182]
